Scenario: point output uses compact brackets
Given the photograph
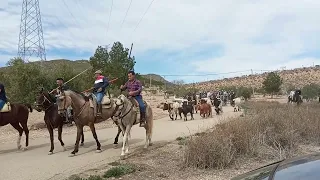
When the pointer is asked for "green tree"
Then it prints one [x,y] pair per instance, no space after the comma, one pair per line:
[114,64]
[24,79]
[310,91]
[272,83]
[245,92]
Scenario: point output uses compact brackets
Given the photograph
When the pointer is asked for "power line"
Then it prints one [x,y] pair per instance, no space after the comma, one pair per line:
[126,15]
[213,74]
[142,17]
[75,20]
[109,17]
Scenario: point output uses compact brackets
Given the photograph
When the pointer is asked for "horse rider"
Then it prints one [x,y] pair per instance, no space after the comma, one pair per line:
[3,97]
[134,87]
[64,87]
[99,89]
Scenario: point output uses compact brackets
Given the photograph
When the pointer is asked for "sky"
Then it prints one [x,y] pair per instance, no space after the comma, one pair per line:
[195,40]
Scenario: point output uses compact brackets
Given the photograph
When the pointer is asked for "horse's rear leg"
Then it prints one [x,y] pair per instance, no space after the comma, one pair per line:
[93,130]
[82,139]
[20,130]
[26,132]
[60,136]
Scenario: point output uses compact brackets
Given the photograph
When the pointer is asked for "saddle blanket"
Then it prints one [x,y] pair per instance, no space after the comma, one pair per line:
[6,108]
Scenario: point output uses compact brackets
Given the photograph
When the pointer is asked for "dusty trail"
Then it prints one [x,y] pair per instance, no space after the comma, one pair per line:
[35,164]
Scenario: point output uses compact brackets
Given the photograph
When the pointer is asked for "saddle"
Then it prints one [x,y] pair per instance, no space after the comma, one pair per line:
[136,104]
[106,102]
[6,108]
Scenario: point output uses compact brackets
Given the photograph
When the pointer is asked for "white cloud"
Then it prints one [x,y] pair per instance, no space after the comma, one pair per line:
[255,34]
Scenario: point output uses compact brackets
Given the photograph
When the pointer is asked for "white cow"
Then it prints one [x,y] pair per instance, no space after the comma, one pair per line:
[175,110]
[237,101]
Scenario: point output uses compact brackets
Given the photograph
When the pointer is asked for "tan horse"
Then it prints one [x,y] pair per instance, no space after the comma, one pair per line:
[83,108]
[126,115]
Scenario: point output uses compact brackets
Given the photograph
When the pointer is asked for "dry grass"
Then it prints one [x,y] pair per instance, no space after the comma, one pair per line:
[273,131]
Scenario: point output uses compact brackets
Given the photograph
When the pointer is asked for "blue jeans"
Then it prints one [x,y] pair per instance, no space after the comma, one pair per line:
[141,104]
[99,96]
[2,103]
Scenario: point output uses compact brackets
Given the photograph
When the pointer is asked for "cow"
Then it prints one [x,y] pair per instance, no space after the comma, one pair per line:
[176,109]
[187,107]
[236,103]
[217,105]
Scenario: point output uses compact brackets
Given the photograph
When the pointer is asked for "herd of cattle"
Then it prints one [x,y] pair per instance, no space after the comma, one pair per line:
[203,103]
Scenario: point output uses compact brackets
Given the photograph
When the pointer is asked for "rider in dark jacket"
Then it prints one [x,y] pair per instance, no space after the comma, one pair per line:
[3,97]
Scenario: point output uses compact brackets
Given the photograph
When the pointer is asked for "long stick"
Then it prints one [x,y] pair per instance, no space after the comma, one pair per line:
[70,79]
[111,81]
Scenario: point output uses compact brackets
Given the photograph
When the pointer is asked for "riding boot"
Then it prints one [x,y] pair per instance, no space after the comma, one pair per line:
[142,119]
[99,110]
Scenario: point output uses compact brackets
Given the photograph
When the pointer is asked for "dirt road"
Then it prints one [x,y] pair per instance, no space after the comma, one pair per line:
[35,164]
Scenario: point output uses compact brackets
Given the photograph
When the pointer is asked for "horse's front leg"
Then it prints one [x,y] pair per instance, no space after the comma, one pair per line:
[116,140]
[124,143]
[50,129]
[82,139]
[93,130]
[76,146]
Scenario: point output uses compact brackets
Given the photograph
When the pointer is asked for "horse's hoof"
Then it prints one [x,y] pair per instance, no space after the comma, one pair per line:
[115,146]
[123,157]
[19,147]
[98,151]
[150,144]
[72,154]
[64,148]
[50,153]
[81,144]
[25,148]
[145,147]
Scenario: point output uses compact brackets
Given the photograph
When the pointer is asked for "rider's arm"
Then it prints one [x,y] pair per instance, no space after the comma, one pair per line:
[125,86]
[138,91]
[105,83]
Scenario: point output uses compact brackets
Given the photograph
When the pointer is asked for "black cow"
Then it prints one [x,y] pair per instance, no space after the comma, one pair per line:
[187,107]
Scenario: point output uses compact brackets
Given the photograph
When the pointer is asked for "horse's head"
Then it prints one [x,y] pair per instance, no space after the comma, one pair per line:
[43,100]
[120,102]
[63,101]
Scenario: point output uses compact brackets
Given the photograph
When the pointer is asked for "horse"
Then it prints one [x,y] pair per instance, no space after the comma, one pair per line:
[17,115]
[236,103]
[83,108]
[205,110]
[126,114]
[45,102]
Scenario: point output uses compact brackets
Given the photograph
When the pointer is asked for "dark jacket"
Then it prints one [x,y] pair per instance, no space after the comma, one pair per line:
[3,93]
[101,82]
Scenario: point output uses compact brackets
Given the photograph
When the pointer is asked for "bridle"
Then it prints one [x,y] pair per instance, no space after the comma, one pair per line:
[62,97]
[42,104]
[117,113]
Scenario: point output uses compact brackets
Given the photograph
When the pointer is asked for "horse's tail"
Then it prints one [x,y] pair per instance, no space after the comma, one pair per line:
[150,122]
[29,107]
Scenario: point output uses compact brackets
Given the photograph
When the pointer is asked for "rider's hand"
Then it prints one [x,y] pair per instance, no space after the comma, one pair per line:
[100,89]
[131,93]
[121,86]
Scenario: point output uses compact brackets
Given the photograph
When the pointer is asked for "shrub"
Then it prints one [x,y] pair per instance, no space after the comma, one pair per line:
[273,131]
[119,171]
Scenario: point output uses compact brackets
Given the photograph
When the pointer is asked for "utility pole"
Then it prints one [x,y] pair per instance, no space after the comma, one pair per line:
[251,85]
[150,80]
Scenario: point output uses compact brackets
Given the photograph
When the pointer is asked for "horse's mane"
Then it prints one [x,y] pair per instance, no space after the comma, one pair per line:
[79,94]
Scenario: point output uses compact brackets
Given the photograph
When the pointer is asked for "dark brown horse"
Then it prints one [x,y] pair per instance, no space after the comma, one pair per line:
[45,102]
[18,118]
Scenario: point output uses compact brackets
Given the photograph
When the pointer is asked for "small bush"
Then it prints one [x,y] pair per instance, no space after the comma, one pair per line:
[273,130]
[76,177]
[119,171]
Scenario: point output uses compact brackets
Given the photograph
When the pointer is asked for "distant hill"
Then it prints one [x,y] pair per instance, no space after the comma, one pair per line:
[81,65]
[295,78]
